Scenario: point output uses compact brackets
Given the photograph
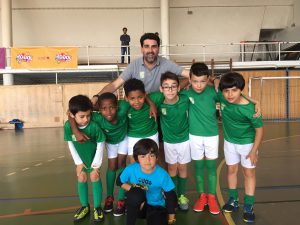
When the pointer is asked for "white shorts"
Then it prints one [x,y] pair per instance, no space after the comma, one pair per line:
[235,153]
[177,153]
[114,149]
[133,140]
[204,146]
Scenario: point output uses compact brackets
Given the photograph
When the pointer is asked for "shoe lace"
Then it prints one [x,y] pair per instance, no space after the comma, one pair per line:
[201,200]
[231,201]
[98,212]
[80,210]
[248,208]
[109,200]
[120,204]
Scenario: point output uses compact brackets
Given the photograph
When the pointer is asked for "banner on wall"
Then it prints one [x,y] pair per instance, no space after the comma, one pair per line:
[2,58]
[44,58]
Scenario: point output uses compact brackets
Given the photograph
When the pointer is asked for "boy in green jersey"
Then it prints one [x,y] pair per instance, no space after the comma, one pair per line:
[203,135]
[87,156]
[112,118]
[173,114]
[243,134]
[140,124]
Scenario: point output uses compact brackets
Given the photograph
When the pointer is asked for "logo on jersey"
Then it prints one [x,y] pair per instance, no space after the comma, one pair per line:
[73,137]
[142,74]
[129,115]
[222,106]
[192,100]
[144,182]
[164,111]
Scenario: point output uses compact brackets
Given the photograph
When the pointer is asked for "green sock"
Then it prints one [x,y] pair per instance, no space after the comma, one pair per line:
[199,175]
[211,168]
[175,181]
[181,185]
[83,193]
[233,193]
[121,193]
[110,182]
[249,199]
[121,196]
[97,193]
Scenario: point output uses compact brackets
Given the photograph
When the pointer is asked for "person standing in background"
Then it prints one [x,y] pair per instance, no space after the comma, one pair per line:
[125,50]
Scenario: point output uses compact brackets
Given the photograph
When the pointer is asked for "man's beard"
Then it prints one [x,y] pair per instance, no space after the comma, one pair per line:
[150,57]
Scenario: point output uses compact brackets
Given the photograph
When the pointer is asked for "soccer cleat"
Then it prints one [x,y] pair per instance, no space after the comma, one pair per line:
[120,209]
[98,215]
[109,204]
[200,204]
[248,216]
[213,204]
[81,213]
[171,221]
[183,203]
[230,206]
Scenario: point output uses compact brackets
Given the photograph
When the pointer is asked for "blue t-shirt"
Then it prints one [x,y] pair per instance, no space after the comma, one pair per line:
[157,182]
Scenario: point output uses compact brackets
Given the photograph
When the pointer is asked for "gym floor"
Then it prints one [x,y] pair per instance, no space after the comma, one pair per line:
[38,182]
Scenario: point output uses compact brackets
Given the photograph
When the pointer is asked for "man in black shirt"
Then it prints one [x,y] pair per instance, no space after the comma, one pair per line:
[125,50]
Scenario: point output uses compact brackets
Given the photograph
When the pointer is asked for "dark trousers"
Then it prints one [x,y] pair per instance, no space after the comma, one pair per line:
[155,215]
[125,51]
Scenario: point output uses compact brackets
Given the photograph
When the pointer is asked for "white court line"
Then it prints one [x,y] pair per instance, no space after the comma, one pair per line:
[39,164]
[24,169]
[62,156]
[11,174]
[50,160]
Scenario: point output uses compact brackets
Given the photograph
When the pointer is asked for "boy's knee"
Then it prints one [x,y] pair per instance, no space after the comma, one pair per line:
[94,176]
[249,173]
[82,177]
[171,201]
[232,169]
[135,197]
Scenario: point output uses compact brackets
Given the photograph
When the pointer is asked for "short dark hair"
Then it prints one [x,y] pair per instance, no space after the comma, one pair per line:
[169,75]
[199,69]
[150,36]
[134,85]
[124,28]
[232,79]
[145,146]
[80,103]
[106,96]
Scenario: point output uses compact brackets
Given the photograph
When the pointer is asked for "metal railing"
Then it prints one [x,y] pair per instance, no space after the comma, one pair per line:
[239,52]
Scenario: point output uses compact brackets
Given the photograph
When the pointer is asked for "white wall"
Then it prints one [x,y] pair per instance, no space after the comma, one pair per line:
[292,32]
[94,22]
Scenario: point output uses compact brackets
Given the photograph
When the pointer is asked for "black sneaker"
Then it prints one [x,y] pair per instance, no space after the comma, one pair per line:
[230,206]
[109,204]
[98,215]
[120,209]
[249,216]
[81,213]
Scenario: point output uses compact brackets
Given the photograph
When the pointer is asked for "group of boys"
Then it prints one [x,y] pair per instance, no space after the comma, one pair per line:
[190,132]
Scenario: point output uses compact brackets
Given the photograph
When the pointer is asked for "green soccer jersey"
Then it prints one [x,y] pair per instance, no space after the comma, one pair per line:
[115,133]
[238,122]
[202,112]
[86,150]
[174,120]
[139,121]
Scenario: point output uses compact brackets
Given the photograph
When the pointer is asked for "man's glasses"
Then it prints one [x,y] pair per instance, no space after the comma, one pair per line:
[170,88]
